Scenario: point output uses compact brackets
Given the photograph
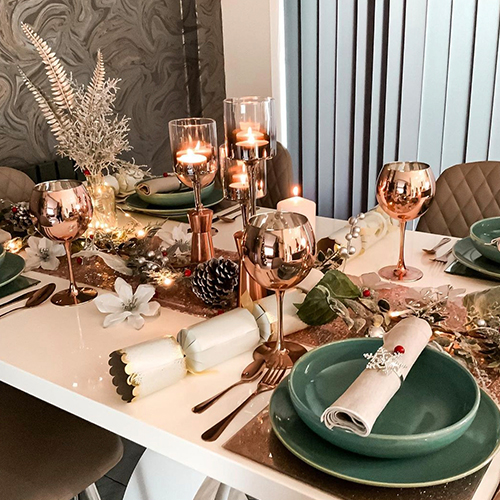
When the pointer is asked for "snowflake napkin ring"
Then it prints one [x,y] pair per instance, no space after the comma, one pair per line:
[387,362]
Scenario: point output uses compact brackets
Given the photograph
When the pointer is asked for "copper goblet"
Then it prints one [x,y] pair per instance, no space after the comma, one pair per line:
[278,252]
[404,191]
[62,211]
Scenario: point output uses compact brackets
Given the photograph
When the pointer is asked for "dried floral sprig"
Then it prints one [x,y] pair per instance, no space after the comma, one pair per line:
[82,119]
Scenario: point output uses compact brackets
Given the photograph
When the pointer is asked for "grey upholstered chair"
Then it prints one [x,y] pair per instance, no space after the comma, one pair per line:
[48,454]
[279,178]
[465,193]
[15,185]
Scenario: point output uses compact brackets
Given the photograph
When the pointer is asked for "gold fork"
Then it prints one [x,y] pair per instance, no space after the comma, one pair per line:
[269,381]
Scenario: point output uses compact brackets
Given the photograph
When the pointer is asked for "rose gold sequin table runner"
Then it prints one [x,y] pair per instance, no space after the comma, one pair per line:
[178,296]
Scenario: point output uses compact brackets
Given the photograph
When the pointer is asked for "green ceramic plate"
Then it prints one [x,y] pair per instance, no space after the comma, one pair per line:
[466,253]
[466,455]
[12,267]
[481,234]
[178,199]
[134,202]
[434,407]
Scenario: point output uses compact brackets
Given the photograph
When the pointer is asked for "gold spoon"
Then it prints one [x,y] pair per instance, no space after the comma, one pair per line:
[40,296]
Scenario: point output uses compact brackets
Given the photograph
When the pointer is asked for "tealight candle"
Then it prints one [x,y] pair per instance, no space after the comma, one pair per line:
[245,134]
[192,158]
[301,206]
[240,181]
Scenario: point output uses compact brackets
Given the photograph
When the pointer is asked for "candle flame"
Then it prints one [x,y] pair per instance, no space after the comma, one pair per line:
[295,191]
[251,137]
[197,147]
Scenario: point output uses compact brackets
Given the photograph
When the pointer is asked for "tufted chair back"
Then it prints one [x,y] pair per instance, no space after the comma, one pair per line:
[465,193]
[279,178]
[15,185]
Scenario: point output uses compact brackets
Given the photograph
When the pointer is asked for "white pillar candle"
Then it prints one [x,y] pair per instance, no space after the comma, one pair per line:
[301,206]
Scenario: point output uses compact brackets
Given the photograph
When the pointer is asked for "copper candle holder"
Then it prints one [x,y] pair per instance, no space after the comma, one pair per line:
[202,247]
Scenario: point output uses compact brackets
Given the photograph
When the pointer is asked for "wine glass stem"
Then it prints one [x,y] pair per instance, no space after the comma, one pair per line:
[197,194]
[73,289]
[279,334]
[401,267]
[251,187]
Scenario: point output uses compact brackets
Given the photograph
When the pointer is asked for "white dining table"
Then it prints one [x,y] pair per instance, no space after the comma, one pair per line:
[60,355]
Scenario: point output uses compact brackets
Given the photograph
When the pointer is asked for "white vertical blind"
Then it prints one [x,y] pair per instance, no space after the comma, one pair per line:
[371,81]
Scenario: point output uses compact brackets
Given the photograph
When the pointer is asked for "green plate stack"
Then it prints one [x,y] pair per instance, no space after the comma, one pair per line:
[438,427]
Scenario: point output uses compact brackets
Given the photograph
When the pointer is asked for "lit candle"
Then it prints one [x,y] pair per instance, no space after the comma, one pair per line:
[245,134]
[192,158]
[252,141]
[240,181]
[299,205]
[199,149]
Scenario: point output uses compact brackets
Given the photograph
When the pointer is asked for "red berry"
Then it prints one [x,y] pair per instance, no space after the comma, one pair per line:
[187,272]
[164,253]
[79,261]
[366,293]
[86,172]
[91,236]
[399,349]
[14,210]
[165,174]
[220,311]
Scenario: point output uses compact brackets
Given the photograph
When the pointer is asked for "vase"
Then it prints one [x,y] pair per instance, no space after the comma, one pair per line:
[103,202]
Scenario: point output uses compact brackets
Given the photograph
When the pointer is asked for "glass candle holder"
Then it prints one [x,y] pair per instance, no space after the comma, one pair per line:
[250,135]
[235,181]
[193,142]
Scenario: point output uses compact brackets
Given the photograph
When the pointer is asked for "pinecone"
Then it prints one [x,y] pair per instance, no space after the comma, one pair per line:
[214,281]
[19,216]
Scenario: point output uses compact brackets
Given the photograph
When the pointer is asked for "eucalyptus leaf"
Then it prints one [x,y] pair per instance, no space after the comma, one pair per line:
[325,301]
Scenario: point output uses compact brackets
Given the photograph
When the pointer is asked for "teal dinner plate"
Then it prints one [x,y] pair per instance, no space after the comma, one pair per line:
[434,406]
[467,254]
[176,199]
[134,202]
[466,455]
[481,234]
[12,267]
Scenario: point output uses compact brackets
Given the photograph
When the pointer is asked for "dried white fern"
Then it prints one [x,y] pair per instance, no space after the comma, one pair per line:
[61,87]
[82,120]
[97,82]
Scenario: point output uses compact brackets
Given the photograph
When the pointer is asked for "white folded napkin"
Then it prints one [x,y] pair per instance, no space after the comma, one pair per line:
[218,339]
[362,403]
[374,227]
[167,184]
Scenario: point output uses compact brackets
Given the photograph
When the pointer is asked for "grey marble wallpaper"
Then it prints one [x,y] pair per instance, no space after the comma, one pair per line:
[168,54]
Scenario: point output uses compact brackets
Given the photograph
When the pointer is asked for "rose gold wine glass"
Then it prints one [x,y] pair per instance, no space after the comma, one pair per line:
[404,191]
[278,252]
[62,211]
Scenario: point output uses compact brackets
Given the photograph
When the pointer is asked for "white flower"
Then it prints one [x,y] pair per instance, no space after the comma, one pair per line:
[127,305]
[176,237]
[43,253]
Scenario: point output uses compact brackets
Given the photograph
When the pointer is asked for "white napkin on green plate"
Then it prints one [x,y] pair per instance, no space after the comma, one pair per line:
[361,404]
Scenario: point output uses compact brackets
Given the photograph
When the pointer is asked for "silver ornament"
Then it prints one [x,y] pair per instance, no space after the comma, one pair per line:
[343,252]
[361,216]
[352,250]
[151,254]
[376,331]
[480,322]
[141,260]
[356,229]
[348,237]
[355,235]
